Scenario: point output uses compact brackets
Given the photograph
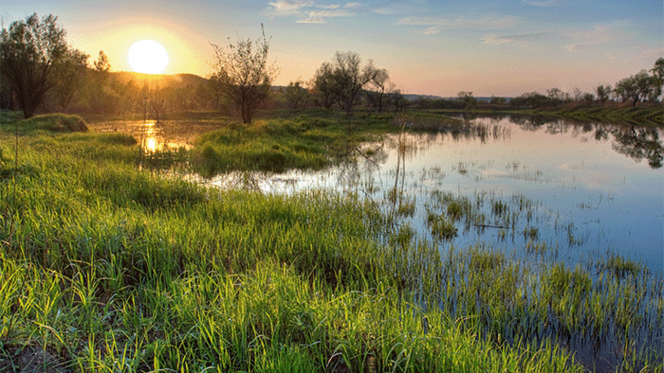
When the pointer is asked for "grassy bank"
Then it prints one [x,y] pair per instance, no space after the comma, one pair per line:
[302,142]
[652,115]
[108,268]
[640,115]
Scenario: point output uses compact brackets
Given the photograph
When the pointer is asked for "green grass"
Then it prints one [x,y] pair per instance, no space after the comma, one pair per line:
[105,267]
[277,145]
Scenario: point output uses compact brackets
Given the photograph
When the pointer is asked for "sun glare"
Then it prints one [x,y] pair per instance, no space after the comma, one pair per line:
[147,56]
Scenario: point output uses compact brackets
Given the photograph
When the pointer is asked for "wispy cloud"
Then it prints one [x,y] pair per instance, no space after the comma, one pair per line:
[397,9]
[543,2]
[598,35]
[307,11]
[437,24]
[504,39]
[321,16]
[288,7]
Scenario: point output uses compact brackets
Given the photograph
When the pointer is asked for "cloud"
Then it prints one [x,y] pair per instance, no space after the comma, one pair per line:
[497,40]
[320,16]
[544,3]
[395,9]
[287,7]
[307,11]
[437,24]
[598,35]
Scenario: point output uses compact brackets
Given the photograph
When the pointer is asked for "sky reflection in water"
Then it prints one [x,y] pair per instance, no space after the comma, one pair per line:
[600,184]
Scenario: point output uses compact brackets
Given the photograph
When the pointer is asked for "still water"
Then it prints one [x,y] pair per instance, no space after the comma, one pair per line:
[581,190]
[574,192]
[584,190]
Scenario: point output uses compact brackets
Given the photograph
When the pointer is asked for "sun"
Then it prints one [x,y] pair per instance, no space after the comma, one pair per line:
[147,56]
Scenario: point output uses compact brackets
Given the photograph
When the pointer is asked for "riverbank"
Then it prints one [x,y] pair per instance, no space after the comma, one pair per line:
[650,115]
[639,115]
[106,266]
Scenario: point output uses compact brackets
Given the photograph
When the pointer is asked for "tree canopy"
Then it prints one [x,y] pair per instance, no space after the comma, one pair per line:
[31,51]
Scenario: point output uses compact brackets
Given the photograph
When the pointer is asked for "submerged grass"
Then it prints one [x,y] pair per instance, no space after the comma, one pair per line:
[108,268]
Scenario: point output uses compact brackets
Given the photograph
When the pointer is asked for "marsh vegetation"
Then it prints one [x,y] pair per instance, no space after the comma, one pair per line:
[115,257]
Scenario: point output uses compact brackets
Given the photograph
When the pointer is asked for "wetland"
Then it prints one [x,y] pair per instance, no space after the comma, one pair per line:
[322,244]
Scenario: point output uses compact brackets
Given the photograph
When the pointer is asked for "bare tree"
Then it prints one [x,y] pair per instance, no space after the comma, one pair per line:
[29,50]
[243,75]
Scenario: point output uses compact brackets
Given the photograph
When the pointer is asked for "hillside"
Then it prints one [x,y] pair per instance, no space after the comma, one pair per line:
[163,80]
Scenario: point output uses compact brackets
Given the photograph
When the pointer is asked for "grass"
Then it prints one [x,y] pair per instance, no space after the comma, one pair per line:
[106,267]
[277,145]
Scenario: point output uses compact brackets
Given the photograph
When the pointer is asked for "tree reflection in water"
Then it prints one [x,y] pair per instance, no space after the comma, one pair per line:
[639,143]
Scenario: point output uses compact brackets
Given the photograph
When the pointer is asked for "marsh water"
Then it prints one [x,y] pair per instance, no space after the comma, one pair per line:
[528,186]
[582,190]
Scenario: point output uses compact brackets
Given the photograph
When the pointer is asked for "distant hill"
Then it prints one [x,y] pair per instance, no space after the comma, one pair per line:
[163,80]
[183,80]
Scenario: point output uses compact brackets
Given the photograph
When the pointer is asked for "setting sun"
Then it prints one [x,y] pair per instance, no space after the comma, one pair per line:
[147,56]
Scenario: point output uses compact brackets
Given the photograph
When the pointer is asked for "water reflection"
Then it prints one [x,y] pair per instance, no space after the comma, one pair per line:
[153,136]
[638,144]
[566,186]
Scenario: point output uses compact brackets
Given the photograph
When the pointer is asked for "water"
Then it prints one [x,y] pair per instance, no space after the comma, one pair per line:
[574,191]
[592,189]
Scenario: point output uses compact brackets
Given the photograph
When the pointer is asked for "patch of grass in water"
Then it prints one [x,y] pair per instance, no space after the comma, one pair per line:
[273,145]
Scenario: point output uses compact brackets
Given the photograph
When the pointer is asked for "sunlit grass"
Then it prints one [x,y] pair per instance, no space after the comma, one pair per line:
[108,268]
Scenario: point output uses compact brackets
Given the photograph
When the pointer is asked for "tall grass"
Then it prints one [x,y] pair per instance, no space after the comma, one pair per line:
[108,268]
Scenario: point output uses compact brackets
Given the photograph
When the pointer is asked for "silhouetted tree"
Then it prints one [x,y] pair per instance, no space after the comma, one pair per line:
[466,99]
[68,77]
[636,87]
[295,93]
[324,86]
[603,93]
[30,50]
[344,77]
[379,87]
[243,75]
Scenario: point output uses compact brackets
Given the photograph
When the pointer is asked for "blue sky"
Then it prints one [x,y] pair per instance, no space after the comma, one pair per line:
[501,48]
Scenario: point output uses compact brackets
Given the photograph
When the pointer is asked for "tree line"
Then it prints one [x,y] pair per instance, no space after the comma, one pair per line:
[644,86]
[40,72]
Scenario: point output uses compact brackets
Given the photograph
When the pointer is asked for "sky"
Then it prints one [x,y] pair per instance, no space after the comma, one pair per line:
[493,47]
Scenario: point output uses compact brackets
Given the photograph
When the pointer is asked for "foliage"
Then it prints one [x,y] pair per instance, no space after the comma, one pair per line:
[30,54]
[637,87]
[243,75]
[296,94]
[343,79]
